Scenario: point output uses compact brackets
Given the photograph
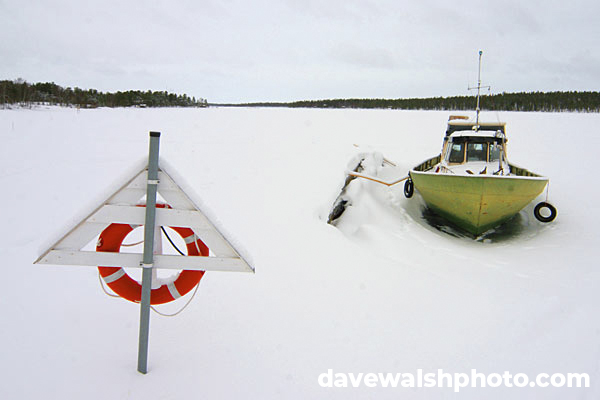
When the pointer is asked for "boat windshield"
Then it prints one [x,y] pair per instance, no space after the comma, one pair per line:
[473,150]
[477,151]
[457,153]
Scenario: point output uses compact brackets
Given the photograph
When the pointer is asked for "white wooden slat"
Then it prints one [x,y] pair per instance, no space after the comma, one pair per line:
[165,183]
[80,236]
[216,243]
[164,217]
[227,264]
[184,218]
[119,214]
[132,191]
[127,196]
[92,258]
[175,198]
[178,200]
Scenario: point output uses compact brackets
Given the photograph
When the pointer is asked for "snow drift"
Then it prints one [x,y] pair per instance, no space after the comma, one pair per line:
[385,291]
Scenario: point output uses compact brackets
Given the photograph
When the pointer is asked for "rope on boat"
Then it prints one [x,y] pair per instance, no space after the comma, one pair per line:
[358,175]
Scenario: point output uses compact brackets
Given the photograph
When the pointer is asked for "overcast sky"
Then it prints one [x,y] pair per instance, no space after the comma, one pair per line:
[244,51]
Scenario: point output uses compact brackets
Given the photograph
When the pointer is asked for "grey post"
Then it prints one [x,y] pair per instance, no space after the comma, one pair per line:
[147,262]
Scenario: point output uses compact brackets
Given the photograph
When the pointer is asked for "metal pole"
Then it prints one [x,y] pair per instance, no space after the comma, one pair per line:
[148,251]
[478,89]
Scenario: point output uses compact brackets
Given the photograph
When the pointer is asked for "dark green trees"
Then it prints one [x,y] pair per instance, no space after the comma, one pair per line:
[531,101]
[22,93]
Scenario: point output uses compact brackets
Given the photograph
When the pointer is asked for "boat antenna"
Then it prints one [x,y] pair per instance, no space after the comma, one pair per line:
[478,87]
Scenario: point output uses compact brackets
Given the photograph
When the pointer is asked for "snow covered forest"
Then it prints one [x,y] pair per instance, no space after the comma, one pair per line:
[523,101]
[20,92]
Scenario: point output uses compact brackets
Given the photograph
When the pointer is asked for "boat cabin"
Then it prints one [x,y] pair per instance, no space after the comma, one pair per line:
[475,145]
[461,148]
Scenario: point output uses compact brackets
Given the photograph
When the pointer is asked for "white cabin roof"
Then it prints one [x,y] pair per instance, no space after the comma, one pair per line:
[480,133]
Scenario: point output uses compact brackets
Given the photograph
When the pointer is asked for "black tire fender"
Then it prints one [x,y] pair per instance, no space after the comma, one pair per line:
[409,188]
[539,216]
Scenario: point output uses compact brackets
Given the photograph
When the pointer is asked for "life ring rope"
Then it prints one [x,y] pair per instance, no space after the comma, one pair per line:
[187,303]
[111,240]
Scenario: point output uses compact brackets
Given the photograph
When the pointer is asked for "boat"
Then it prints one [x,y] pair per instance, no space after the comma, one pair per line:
[471,183]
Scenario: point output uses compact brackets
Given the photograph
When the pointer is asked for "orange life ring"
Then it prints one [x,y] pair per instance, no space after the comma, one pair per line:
[122,284]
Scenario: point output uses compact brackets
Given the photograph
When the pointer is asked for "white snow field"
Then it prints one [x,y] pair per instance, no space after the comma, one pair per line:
[382,292]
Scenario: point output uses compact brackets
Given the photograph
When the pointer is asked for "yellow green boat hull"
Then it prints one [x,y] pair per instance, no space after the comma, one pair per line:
[477,203]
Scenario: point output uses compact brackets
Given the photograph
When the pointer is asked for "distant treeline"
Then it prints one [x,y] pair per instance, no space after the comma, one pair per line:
[530,101]
[19,92]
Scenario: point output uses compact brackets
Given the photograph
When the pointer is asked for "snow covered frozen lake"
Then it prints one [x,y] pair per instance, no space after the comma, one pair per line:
[384,292]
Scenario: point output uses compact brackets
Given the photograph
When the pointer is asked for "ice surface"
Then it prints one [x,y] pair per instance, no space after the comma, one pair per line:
[385,291]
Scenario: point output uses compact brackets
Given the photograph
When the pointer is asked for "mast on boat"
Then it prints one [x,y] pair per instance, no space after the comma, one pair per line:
[478,87]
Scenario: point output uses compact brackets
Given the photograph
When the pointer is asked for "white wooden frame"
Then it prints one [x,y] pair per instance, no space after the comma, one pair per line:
[121,207]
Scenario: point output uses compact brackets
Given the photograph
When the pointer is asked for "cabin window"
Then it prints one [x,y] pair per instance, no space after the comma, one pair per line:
[495,151]
[477,152]
[457,153]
